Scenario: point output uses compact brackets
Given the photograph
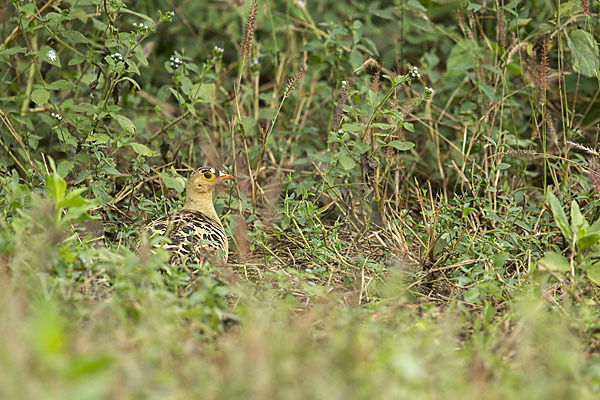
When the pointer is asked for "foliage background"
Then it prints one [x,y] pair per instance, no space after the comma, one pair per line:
[395,232]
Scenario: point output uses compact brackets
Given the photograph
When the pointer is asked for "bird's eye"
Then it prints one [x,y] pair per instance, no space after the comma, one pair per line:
[208,176]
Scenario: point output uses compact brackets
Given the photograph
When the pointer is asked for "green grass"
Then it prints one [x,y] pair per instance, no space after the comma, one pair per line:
[387,240]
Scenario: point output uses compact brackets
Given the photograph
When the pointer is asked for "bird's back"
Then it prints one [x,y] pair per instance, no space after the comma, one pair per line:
[192,235]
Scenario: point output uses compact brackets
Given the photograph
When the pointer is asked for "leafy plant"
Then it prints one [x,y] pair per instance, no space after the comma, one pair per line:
[582,242]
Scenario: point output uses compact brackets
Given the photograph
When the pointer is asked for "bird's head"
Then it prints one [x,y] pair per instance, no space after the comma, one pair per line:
[204,179]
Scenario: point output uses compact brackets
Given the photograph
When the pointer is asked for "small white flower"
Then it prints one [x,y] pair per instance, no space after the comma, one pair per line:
[52,114]
[172,13]
[135,24]
[51,55]
[172,63]
[340,131]
[177,60]
[344,83]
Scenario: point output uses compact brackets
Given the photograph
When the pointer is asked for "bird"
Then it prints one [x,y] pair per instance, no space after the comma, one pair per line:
[195,232]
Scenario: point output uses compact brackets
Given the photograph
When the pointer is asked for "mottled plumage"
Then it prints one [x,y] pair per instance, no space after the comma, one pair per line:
[194,231]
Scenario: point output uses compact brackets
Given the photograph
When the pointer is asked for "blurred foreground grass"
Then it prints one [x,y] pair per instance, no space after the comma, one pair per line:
[148,344]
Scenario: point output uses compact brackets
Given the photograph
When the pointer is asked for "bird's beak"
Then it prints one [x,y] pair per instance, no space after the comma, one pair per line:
[225,175]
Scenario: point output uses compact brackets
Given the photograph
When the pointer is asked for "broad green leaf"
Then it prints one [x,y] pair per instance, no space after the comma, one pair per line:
[56,186]
[372,98]
[100,138]
[351,127]
[559,216]
[78,214]
[176,183]
[357,31]
[99,190]
[399,80]
[73,199]
[491,68]
[141,149]
[178,96]
[488,91]
[27,9]
[595,228]
[76,60]
[523,225]
[40,96]
[383,126]
[125,122]
[474,7]
[204,92]
[593,273]
[49,55]
[584,52]
[83,175]
[186,85]
[191,109]
[75,37]
[61,84]
[577,220]
[554,262]
[347,162]
[64,167]
[402,146]
[502,166]
[416,6]
[517,22]
[110,170]
[13,50]
[587,241]
[132,68]
[88,108]
[460,59]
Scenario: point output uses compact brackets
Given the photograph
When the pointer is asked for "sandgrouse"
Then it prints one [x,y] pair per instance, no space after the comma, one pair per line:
[195,230]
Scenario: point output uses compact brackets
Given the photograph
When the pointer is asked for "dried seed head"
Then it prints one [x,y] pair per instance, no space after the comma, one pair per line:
[583,148]
[249,34]
[542,72]
[375,82]
[341,101]
[293,81]
[515,153]
[585,5]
